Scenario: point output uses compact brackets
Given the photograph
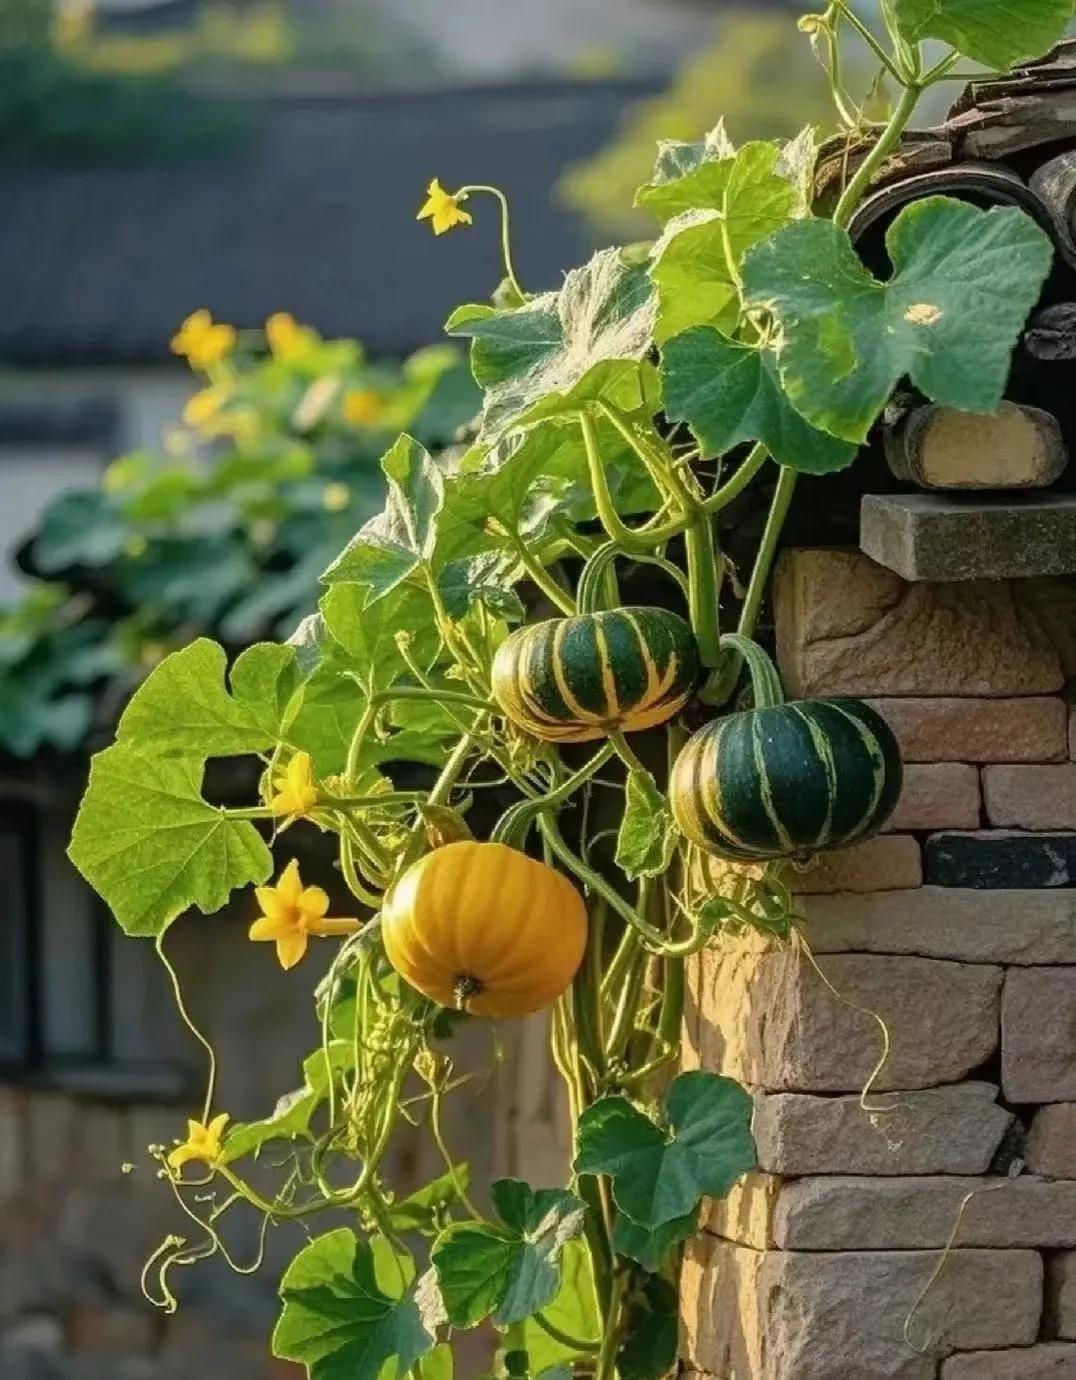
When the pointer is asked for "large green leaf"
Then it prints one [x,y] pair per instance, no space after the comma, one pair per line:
[730,393]
[184,706]
[661,1174]
[394,543]
[728,205]
[151,847]
[963,284]
[997,33]
[651,1247]
[366,632]
[753,189]
[683,171]
[512,1270]
[350,1311]
[565,348]
[573,1312]
[528,480]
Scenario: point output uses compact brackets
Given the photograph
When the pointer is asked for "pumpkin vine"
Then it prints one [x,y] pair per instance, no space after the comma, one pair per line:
[534,716]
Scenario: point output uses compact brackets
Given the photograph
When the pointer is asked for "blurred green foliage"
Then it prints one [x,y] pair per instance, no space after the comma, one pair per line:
[758,74]
[227,531]
[55,112]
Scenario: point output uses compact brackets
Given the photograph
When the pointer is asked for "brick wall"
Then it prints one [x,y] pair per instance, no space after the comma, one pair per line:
[958,927]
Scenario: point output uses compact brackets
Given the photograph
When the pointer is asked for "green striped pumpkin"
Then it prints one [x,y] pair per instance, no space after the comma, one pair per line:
[570,680]
[787,780]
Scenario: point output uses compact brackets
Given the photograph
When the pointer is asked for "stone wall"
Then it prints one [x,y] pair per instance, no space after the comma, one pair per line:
[75,1230]
[958,928]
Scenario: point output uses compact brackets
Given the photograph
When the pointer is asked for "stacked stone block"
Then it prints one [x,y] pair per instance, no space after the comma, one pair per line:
[926,1230]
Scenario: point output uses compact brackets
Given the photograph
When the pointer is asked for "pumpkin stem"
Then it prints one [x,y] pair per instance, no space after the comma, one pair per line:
[765,682]
[464,989]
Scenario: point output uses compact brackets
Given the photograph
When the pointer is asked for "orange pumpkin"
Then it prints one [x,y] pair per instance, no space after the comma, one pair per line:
[485,929]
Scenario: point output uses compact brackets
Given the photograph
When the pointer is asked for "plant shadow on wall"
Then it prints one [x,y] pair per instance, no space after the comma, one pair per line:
[646,805]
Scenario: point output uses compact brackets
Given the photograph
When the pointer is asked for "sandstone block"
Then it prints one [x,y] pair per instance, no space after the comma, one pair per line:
[1038,1035]
[938,795]
[978,730]
[997,858]
[1061,1295]
[847,626]
[934,537]
[943,448]
[778,1315]
[1052,1361]
[1019,927]
[768,1020]
[1051,1143]
[949,1130]
[846,1213]
[1072,734]
[1031,797]
[889,862]
[746,1214]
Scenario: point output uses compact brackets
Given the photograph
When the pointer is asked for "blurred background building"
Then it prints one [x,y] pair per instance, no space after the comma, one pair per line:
[250,157]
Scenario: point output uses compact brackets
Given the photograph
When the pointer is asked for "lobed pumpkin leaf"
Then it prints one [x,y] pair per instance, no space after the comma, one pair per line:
[657,1176]
[509,1270]
[722,208]
[651,1247]
[184,705]
[352,1312]
[964,281]
[728,393]
[150,845]
[573,1312]
[647,837]
[563,348]
[997,33]
[403,535]
[366,631]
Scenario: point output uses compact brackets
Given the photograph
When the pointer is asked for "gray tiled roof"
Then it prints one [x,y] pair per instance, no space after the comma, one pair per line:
[313,213]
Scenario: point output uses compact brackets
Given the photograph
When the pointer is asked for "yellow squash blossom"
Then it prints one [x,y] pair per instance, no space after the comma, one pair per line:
[296,793]
[291,913]
[203,341]
[442,209]
[203,407]
[202,1143]
[361,407]
[287,339]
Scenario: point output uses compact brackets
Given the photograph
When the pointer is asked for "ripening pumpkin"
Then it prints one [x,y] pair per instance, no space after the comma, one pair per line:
[787,780]
[483,928]
[571,680]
